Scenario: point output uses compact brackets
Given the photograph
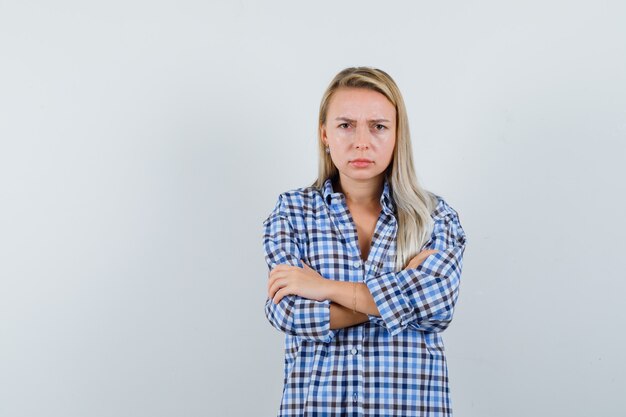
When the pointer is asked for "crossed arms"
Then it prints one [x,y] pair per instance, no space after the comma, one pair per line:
[422,298]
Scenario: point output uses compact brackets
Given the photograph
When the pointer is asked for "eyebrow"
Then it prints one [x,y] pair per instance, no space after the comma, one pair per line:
[346,119]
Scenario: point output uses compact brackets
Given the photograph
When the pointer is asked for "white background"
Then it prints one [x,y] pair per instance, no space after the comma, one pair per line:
[143,143]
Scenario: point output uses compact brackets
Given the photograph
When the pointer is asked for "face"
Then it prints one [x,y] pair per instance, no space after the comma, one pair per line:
[360,124]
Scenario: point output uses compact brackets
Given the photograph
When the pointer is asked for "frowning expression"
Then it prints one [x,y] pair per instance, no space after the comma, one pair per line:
[360,131]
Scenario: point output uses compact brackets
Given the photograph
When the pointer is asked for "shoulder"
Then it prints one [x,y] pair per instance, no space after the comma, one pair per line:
[297,203]
[442,209]
[446,222]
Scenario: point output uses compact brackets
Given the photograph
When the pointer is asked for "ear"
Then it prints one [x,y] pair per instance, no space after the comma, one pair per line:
[323,135]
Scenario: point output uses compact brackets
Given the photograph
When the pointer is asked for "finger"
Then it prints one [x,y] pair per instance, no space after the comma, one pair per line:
[276,286]
[271,290]
[279,270]
[420,257]
[271,282]
[425,254]
[279,273]
[280,294]
[270,287]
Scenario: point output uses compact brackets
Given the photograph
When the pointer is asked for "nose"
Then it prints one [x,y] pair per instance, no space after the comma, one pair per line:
[362,139]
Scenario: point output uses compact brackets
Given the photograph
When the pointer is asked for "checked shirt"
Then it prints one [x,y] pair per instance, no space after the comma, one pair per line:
[392,365]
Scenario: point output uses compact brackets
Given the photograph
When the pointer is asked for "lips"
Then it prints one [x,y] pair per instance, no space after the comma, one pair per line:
[361,163]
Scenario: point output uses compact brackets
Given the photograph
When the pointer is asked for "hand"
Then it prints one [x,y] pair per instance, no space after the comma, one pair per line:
[288,279]
[420,257]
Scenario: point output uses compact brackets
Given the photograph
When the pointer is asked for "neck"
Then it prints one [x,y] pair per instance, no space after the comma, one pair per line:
[361,192]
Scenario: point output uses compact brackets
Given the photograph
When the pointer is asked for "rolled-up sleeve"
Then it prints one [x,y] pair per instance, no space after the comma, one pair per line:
[424,297]
[294,315]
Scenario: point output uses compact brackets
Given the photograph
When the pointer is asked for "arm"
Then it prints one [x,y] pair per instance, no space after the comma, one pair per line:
[342,293]
[341,317]
[295,315]
[423,297]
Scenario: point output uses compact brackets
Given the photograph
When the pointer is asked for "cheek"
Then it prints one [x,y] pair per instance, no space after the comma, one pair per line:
[389,146]
[385,142]
[340,134]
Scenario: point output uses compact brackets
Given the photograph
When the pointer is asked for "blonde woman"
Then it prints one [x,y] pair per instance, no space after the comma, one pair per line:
[365,266]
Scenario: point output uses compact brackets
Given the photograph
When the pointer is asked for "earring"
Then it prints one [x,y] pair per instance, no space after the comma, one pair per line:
[327,149]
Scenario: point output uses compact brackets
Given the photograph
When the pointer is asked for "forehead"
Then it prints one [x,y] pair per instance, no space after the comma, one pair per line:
[355,102]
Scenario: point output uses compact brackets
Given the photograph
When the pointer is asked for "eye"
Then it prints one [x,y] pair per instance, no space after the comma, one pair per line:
[380,127]
[344,125]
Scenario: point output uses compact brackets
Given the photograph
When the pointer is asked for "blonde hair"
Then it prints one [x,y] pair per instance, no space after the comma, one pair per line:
[413,203]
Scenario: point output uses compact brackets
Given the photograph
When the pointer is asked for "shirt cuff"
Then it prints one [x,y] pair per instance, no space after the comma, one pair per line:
[313,319]
[394,307]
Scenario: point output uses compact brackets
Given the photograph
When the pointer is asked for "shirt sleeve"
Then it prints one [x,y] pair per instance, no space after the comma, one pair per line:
[294,315]
[424,297]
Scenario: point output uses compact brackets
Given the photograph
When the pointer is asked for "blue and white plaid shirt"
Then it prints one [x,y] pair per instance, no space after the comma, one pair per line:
[392,365]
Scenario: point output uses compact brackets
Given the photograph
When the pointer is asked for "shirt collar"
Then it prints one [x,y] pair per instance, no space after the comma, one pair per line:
[331,197]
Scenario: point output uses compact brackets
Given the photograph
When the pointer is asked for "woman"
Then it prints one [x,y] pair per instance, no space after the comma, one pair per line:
[365,266]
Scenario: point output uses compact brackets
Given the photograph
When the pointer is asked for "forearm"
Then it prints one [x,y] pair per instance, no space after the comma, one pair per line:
[341,317]
[342,293]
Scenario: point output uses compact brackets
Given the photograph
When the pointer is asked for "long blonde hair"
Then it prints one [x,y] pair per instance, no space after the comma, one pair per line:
[413,203]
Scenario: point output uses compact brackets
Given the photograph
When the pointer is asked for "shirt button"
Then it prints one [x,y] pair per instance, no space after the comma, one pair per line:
[354,351]
[355,397]
[356,264]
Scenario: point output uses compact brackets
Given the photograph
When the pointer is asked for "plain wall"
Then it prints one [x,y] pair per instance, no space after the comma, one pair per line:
[143,143]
